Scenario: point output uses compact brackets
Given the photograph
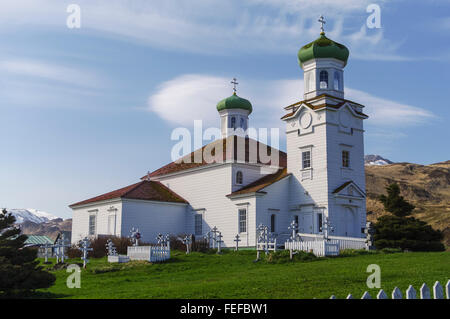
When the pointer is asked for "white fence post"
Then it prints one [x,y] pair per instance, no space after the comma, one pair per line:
[411,293]
[438,292]
[447,289]
[424,292]
[397,294]
[366,295]
[382,295]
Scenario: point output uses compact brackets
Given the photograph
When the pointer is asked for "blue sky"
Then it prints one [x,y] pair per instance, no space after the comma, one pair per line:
[85,111]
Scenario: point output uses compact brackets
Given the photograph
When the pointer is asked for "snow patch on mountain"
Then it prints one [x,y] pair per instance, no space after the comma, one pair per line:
[32,215]
[376,160]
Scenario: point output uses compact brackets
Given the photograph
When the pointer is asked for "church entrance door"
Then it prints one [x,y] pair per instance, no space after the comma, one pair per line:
[306,223]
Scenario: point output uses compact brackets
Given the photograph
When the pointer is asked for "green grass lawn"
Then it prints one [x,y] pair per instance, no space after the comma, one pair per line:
[235,275]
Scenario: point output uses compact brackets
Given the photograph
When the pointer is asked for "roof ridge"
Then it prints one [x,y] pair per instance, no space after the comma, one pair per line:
[133,188]
[145,190]
[228,150]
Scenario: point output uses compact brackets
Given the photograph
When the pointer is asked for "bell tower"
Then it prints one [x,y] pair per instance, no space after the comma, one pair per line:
[323,62]
[325,145]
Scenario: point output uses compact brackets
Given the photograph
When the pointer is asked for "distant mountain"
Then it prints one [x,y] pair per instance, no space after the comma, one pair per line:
[50,228]
[31,215]
[376,160]
[425,186]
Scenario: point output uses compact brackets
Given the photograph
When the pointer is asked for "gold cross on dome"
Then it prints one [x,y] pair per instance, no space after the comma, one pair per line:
[234,82]
[322,21]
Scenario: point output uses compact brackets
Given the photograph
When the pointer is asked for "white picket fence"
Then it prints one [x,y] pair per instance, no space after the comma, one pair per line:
[344,242]
[438,293]
[319,248]
[149,253]
[267,246]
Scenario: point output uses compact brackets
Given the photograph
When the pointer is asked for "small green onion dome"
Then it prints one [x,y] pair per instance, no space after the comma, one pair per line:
[323,48]
[234,102]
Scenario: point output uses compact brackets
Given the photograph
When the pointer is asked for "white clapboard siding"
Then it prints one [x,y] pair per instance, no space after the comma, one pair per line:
[438,292]
[149,253]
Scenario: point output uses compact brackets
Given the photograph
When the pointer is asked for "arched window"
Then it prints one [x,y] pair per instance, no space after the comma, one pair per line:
[239,177]
[337,81]
[233,122]
[242,123]
[272,223]
[323,76]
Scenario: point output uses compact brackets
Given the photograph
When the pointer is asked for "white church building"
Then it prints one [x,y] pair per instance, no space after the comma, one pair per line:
[321,175]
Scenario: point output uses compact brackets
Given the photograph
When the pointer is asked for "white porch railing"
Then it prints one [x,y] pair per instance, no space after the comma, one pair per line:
[149,253]
[344,242]
[319,248]
[267,246]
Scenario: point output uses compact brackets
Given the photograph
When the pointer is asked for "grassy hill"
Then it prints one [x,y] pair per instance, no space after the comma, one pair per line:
[235,275]
[426,186]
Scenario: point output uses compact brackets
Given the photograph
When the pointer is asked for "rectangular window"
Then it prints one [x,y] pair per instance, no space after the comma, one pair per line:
[272,223]
[296,221]
[92,224]
[319,222]
[112,224]
[306,159]
[198,224]
[242,220]
[345,159]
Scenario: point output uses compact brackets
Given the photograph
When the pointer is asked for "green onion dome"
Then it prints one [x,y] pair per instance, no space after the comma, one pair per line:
[323,48]
[234,102]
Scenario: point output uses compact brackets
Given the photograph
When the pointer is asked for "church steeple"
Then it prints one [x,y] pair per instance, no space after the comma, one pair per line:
[234,112]
[323,62]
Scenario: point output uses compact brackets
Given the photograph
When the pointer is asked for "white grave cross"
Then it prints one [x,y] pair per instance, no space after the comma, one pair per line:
[60,249]
[112,251]
[135,236]
[327,228]
[294,228]
[85,249]
[219,242]
[187,240]
[237,240]
[46,247]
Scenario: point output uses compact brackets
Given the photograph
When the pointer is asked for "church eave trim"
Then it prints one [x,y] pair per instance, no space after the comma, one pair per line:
[327,107]
[337,191]
[244,195]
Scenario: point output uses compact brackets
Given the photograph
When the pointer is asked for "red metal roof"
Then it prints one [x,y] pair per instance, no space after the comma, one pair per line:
[229,153]
[262,183]
[144,190]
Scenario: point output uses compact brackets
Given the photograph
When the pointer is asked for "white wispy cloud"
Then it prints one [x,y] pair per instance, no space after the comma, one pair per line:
[53,72]
[191,97]
[384,112]
[212,27]
[39,83]
[317,6]
[188,97]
